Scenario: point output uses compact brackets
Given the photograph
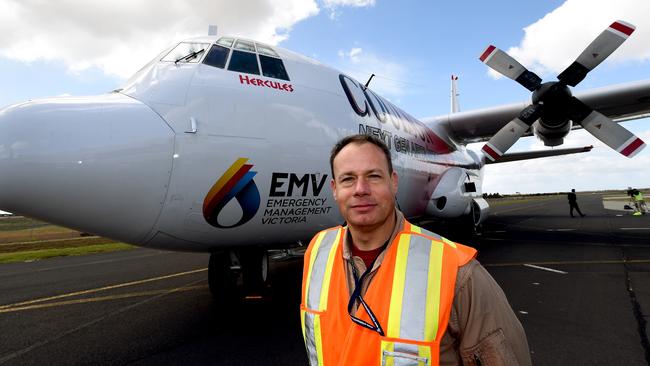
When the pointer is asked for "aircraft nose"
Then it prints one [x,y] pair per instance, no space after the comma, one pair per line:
[98,164]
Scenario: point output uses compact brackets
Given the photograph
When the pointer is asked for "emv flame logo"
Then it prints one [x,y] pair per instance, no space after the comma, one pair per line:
[237,182]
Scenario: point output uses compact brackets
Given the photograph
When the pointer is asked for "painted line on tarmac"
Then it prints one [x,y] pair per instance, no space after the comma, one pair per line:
[573,243]
[617,261]
[90,291]
[10,356]
[102,298]
[523,208]
[132,254]
[560,229]
[635,228]
[545,268]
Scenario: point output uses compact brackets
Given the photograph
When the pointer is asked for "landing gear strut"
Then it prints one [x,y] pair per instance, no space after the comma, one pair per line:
[234,275]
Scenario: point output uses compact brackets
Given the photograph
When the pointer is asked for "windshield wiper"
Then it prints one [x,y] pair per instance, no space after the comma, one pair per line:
[190,56]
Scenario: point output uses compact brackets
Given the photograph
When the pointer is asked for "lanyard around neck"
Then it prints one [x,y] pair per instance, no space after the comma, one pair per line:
[356,295]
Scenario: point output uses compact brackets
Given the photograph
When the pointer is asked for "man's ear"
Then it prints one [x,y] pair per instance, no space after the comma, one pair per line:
[333,186]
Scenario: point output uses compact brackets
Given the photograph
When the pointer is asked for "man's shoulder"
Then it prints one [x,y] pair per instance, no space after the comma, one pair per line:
[323,233]
[412,229]
[464,252]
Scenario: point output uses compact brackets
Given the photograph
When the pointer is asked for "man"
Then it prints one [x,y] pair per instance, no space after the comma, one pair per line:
[573,203]
[381,291]
[639,203]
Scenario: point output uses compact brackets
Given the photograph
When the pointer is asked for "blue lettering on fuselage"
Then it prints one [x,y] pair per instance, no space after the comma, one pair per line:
[386,112]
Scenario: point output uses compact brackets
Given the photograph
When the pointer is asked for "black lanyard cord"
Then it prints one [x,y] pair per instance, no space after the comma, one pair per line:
[356,295]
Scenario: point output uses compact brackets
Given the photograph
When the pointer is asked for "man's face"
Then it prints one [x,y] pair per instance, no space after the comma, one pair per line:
[362,186]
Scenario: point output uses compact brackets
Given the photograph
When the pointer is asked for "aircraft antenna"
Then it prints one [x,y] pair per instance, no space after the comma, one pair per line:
[368,82]
[455,106]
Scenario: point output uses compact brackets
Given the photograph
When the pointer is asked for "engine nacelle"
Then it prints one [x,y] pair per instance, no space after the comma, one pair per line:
[480,210]
[449,199]
[551,135]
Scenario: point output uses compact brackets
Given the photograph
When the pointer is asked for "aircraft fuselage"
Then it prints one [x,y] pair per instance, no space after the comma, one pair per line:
[188,156]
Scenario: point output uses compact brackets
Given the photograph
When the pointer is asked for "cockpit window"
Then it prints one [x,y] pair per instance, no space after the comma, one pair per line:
[217,56]
[266,50]
[186,52]
[245,45]
[225,41]
[244,62]
[273,68]
[244,58]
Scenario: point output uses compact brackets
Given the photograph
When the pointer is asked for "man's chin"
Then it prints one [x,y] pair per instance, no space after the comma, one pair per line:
[364,221]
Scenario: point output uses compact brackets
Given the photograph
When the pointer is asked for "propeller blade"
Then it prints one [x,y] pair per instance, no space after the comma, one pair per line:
[510,133]
[507,66]
[599,49]
[609,132]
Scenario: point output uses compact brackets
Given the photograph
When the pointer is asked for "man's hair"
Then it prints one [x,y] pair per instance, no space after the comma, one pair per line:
[359,140]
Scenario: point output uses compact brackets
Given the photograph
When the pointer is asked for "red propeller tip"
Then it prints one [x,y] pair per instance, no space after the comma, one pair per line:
[624,28]
[487,53]
[491,153]
[633,147]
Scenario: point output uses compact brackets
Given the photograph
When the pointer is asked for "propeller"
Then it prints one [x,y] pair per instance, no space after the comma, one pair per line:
[552,102]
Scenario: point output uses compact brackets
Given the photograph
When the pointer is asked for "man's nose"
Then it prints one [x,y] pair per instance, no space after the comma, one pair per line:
[362,187]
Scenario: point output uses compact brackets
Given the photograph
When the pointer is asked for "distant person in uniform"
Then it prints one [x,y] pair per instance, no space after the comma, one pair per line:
[639,202]
[573,203]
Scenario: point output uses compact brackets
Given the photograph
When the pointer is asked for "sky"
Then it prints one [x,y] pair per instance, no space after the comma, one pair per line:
[84,47]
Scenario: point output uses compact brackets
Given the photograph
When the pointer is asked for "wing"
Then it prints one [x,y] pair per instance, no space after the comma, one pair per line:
[527,155]
[620,102]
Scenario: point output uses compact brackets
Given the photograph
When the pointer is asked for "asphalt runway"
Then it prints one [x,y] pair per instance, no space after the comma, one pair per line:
[580,286]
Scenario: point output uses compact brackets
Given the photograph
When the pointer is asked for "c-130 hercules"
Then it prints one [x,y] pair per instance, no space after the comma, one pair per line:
[221,145]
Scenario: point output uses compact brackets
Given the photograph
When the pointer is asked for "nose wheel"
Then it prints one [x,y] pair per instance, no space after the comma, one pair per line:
[237,275]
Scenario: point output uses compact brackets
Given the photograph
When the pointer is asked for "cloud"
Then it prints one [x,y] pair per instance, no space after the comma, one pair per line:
[361,64]
[354,3]
[553,42]
[120,36]
[334,5]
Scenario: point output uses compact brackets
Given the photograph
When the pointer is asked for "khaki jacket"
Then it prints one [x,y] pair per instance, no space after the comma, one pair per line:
[483,329]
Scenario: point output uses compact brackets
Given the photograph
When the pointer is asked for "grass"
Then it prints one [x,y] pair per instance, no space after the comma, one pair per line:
[31,255]
[24,239]
[13,223]
[54,244]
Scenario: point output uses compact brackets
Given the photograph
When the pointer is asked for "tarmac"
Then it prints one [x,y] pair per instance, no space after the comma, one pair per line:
[580,286]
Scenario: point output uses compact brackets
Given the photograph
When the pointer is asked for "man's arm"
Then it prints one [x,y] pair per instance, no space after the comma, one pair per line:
[489,331]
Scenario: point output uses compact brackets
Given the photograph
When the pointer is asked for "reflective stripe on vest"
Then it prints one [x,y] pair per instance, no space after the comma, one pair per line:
[417,309]
[414,304]
[316,291]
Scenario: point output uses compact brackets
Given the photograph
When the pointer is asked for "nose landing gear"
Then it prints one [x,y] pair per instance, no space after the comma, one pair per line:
[237,275]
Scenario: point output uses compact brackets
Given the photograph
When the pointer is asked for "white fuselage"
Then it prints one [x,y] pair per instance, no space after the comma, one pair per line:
[143,165]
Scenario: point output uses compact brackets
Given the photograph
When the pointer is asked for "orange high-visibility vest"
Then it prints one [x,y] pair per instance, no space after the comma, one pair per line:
[411,296]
